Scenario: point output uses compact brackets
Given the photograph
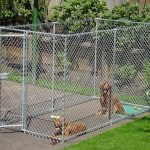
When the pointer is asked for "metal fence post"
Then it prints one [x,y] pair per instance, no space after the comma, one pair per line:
[24,81]
[64,84]
[34,57]
[113,65]
[53,67]
[95,56]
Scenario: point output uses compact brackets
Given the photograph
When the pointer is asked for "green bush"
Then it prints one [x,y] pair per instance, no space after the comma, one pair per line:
[127,10]
[146,65]
[72,10]
[60,60]
[79,9]
[125,74]
[82,9]
[145,14]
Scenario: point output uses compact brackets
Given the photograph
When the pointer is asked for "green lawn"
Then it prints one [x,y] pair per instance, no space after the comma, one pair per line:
[72,88]
[132,136]
[68,87]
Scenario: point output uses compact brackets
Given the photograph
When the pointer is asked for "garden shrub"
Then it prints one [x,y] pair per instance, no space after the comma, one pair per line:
[146,65]
[145,14]
[125,74]
[126,11]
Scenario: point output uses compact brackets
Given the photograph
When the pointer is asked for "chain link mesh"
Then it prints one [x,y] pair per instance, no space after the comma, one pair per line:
[11,70]
[64,74]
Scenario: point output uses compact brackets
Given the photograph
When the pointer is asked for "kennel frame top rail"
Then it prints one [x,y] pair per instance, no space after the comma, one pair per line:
[54,24]
[7,35]
[74,21]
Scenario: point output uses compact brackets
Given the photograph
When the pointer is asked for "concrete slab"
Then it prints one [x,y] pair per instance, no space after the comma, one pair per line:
[13,140]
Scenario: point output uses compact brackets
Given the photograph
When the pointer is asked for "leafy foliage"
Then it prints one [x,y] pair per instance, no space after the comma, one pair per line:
[125,73]
[80,9]
[128,11]
[23,10]
[15,12]
[60,59]
[6,10]
[126,39]
[145,14]
[77,10]
[146,65]
[18,11]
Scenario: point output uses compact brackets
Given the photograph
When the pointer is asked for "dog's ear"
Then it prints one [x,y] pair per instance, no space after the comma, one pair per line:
[102,85]
[110,86]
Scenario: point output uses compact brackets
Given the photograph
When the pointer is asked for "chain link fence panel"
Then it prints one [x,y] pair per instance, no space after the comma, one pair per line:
[12,44]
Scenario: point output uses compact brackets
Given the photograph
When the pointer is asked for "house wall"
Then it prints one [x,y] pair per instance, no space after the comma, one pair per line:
[112,3]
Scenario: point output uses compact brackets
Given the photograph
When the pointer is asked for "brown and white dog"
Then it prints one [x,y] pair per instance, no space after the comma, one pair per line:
[105,101]
[69,128]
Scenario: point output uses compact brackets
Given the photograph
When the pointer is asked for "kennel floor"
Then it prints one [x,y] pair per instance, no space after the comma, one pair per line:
[84,112]
[79,108]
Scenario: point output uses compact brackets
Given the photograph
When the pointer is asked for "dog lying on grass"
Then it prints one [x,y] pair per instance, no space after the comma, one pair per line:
[105,101]
[69,128]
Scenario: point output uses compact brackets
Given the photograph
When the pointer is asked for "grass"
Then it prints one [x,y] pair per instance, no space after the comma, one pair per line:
[132,136]
[72,88]
[141,100]
[67,87]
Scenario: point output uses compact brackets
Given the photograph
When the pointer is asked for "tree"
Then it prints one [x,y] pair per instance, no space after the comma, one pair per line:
[19,11]
[6,11]
[23,11]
